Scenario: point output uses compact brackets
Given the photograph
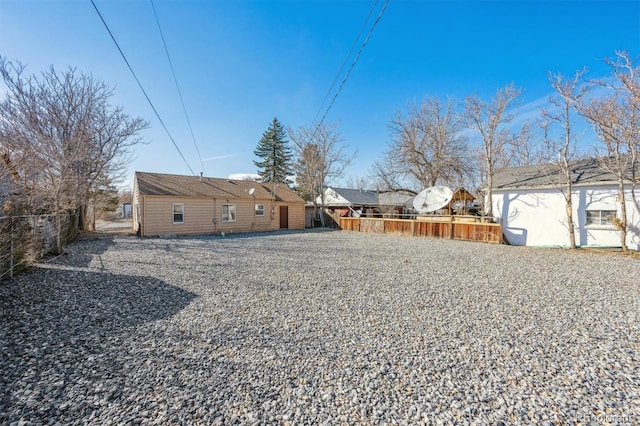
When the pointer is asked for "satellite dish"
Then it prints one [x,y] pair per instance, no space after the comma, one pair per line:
[252,191]
[432,199]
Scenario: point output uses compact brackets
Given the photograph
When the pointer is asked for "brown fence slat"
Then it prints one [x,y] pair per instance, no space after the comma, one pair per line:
[447,227]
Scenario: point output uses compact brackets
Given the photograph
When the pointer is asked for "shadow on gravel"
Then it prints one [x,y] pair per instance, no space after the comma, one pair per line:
[83,250]
[61,327]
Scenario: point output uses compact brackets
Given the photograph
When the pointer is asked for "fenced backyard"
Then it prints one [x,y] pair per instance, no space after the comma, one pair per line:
[319,327]
[26,239]
[469,228]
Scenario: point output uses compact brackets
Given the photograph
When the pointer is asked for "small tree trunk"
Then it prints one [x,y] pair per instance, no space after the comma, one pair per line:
[58,232]
[322,221]
[570,225]
[569,207]
[489,207]
[81,218]
[315,214]
[623,216]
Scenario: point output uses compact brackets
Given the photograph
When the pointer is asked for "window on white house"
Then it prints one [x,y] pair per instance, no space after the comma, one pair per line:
[228,212]
[601,217]
[178,213]
[259,209]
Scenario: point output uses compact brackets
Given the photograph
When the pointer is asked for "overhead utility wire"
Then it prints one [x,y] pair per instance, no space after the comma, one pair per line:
[353,64]
[178,87]
[142,88]
[346,58]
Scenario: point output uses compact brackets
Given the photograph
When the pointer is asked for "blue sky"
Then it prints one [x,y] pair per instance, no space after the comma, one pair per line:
[239,64]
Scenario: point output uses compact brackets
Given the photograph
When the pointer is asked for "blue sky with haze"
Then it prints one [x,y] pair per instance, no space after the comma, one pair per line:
[241,63]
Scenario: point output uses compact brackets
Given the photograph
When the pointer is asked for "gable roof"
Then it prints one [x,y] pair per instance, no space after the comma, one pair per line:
[587,171]
[357,196]
[196,186]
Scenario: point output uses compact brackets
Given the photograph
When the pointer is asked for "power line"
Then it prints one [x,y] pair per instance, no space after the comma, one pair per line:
[142,88]
[346,58]
[353,64]
[178,87]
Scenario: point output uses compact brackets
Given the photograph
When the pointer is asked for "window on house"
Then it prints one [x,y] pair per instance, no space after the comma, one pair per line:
[178,213]
[601,217]
[259,209]
[228,212]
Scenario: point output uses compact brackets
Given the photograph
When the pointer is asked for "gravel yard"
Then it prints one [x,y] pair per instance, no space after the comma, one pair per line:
[322,327]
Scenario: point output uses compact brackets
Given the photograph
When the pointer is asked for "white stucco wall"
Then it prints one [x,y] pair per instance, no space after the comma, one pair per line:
[537,217]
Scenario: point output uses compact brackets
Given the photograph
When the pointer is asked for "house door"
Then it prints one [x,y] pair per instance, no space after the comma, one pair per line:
[284,217]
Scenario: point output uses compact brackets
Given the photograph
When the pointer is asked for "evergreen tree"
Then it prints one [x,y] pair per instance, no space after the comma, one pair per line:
[275,153]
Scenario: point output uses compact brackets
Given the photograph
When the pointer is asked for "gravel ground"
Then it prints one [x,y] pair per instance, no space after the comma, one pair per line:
[320,328]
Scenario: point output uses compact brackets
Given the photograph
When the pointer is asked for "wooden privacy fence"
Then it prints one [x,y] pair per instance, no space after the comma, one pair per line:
[449,227]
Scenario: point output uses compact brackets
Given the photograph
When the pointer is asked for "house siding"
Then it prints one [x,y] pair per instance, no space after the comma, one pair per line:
[154,196]
[537,217]
[296,215]
[199,215]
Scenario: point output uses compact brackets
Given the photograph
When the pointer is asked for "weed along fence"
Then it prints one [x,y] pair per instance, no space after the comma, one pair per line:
[469,228]
[26,239]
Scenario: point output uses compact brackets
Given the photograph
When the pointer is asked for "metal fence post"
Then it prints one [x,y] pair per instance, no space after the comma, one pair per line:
[11,249]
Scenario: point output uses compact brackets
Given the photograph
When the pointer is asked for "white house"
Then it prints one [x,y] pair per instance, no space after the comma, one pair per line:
[530,204]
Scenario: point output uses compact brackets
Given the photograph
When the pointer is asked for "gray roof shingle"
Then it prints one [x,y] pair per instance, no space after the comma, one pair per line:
[195,186]
[587,171]
[358,196]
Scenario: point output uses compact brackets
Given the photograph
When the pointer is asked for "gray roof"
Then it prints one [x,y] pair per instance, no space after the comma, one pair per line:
[358,196]
[372,197]
[196,186]
[587,171]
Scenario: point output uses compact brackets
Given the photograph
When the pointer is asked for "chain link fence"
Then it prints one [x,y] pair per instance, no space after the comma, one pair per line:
[27,239]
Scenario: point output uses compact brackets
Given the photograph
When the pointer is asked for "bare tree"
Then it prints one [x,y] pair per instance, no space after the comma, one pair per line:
[521,151]
[386,176]
[489,119]
[62,136]
[616,121]
[560,151]
[320,157]
[358,182]
[426,147]
[628,77]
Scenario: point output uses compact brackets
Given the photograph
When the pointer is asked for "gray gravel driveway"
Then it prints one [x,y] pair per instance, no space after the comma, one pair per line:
[321,327]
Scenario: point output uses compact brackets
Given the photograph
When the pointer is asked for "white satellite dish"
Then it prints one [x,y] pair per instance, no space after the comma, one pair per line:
[252,191]
[432,199]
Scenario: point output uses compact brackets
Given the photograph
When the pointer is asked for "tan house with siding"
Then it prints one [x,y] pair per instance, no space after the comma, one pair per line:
[191,205]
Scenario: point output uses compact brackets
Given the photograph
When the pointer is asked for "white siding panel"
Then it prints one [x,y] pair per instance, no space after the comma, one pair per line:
[536,217]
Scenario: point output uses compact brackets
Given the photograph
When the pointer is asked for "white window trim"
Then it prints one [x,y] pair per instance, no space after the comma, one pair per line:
[173,213]
[259,212]
[228,218]
[607,226]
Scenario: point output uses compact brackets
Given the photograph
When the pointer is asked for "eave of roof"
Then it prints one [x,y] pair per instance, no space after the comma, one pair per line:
[160,184]
[587,172]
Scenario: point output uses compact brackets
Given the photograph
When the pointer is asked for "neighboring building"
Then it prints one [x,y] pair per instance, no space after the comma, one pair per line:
[125,210]
[347,202]
[188,205]
[529,203]
[398,202]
